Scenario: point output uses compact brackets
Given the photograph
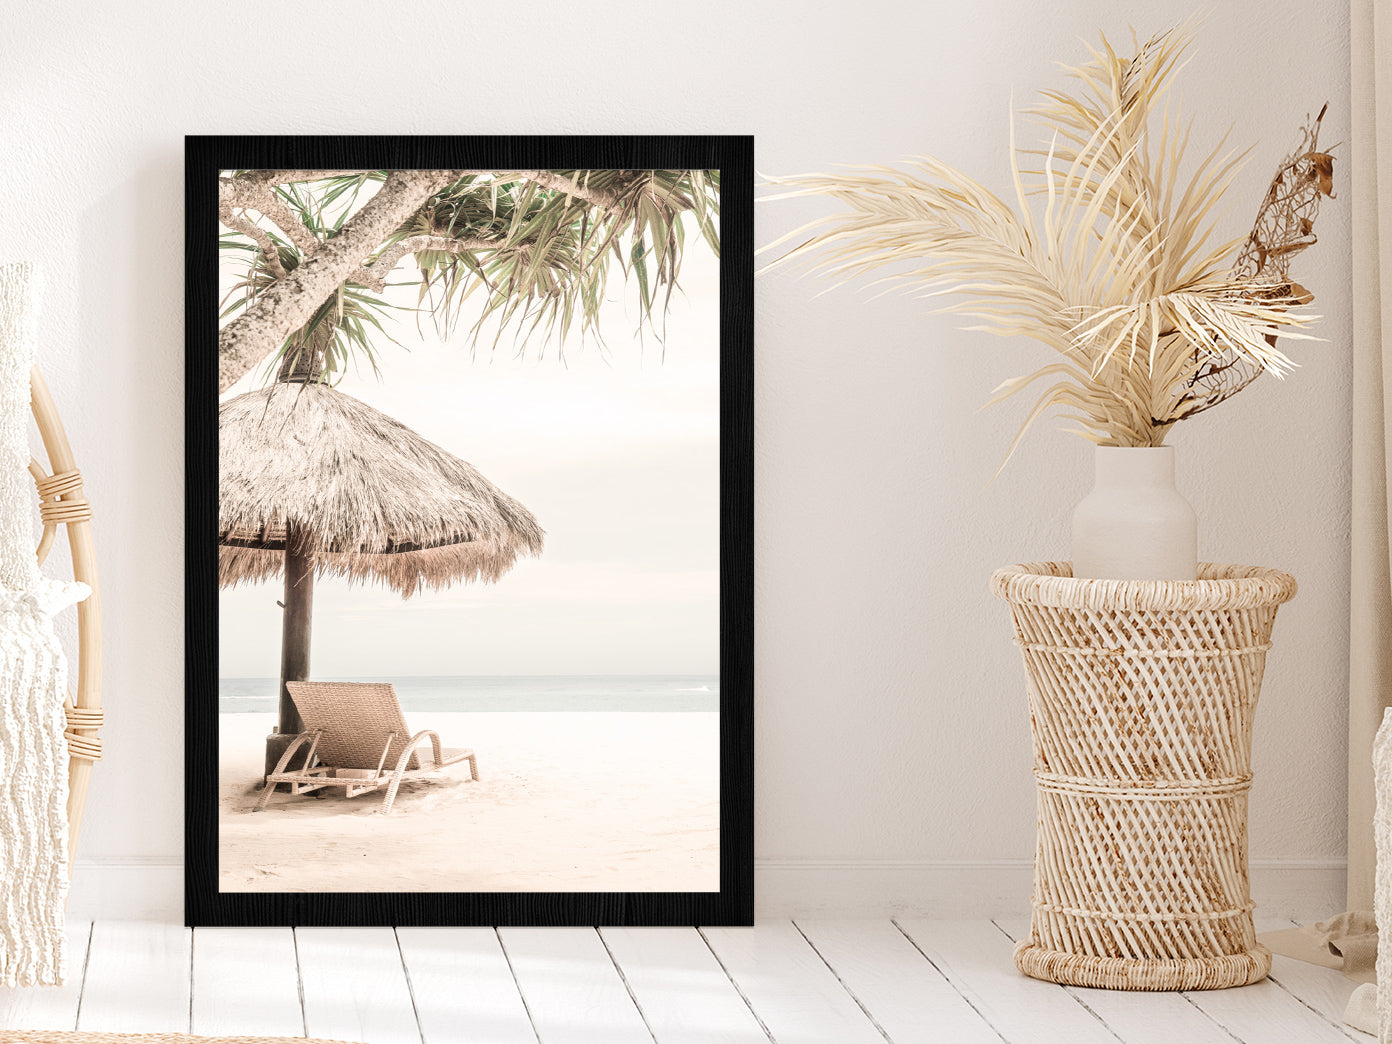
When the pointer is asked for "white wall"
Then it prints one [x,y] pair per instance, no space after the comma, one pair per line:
[893,759]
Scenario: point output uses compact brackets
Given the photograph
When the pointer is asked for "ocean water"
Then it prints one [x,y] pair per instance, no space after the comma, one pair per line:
[516,692]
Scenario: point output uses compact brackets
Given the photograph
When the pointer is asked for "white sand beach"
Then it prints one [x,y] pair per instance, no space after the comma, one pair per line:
[590,801]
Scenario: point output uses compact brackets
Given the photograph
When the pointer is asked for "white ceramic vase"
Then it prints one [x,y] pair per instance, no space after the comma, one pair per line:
[1134,525]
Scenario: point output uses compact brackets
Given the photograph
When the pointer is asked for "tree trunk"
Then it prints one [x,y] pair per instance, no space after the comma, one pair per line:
[304,364]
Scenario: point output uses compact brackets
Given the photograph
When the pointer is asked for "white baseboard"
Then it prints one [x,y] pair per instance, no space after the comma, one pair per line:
[153,890]
[1302,890]
[1299,889]
[890,888]
[127,890]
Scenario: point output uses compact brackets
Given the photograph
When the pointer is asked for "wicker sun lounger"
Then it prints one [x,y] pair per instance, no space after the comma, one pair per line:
[357,740]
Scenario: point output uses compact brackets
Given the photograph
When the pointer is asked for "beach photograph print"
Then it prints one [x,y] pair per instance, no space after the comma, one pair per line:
[468,531]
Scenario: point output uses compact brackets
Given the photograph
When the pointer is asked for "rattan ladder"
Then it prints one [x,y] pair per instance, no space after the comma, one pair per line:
[62,501]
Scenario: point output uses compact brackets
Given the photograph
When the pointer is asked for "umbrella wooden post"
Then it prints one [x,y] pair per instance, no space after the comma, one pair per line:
[295,624]
[296,621]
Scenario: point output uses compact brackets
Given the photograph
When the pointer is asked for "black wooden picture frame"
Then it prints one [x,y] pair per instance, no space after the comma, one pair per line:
[732,156]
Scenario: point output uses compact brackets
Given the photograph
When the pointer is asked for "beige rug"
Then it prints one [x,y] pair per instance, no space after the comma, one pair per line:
[1347,943]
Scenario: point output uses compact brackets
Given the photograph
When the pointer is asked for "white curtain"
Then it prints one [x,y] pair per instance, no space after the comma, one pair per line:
[1370,660]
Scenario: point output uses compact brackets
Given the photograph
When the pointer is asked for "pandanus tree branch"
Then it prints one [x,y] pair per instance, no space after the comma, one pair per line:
[291,177]
[243,224]
[560,183]
[374,276]
[288,303]
[258,195]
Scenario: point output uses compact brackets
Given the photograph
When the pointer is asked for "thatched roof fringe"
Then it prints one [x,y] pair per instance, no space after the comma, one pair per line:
[436,569]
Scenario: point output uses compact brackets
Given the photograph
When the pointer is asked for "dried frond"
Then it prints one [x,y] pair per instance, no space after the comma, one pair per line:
[1285,226]
[1119,273]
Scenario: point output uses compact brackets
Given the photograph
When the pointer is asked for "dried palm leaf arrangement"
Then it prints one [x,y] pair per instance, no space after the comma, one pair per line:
[1153,320]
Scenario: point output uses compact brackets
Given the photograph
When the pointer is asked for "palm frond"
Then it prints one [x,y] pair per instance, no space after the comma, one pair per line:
[549,253]
[1107,254]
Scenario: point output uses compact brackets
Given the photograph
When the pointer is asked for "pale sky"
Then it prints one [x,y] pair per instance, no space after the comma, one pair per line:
[618,460]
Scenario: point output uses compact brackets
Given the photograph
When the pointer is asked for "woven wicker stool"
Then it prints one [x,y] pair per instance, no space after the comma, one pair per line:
[1141,696]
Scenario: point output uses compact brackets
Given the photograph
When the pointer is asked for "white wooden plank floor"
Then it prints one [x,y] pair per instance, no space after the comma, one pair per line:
[814,981]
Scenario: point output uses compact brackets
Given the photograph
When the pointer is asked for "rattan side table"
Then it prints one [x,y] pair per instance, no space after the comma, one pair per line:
[1141,696]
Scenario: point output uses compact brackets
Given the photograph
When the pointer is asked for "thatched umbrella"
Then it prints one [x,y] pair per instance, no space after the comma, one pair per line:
[311,480]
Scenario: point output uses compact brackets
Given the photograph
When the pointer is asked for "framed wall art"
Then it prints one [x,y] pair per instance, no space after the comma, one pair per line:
[469,530]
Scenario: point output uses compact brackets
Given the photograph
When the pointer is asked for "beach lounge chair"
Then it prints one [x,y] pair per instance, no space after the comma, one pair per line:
[357,740]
